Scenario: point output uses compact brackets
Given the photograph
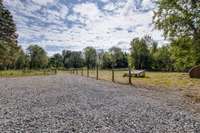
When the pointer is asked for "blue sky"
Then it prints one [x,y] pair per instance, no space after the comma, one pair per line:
[74,24]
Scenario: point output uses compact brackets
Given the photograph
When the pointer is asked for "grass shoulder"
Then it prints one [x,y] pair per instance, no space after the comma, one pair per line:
[23,73]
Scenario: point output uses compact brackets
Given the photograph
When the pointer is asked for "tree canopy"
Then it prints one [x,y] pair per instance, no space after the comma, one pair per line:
[140,53]
[8,38]
[38,57]
[90,57]
[180,19]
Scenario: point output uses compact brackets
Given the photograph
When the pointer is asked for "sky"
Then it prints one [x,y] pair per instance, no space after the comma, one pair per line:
[56,25]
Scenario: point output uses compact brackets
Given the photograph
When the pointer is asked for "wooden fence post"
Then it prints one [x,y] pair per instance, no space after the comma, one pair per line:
[55,71]
[113,76]
[77,71]
[87,72]
[97,76]
[82,72]
[129,76]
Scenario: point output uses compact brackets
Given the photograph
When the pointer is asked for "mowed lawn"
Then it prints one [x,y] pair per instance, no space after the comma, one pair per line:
[155,80]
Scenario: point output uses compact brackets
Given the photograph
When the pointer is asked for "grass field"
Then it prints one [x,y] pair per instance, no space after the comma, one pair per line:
[21,73]
[155,80]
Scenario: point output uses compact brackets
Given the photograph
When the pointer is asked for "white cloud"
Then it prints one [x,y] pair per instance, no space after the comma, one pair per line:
[43,2]
[118,25]
[89,11]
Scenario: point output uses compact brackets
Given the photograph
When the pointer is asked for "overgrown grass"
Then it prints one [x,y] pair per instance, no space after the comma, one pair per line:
[21,73]
[156,80]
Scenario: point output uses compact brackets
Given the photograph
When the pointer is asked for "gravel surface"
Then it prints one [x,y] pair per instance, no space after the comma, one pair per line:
[77,104]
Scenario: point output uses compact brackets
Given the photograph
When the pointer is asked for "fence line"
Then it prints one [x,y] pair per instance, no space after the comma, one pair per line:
[95,73]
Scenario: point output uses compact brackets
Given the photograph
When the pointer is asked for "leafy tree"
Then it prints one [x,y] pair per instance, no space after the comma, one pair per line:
[72,59]
[56,61]
[183,54]
[38,57]
[106,60]
[8,38]
[90,57]
[76,60]
[180,19]
[162,59]
[152,44]
[66,55]
[140,53]
[118,58]
[22,61]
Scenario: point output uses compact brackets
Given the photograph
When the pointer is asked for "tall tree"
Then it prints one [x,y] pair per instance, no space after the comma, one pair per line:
[180,19]
[76,59]
[38,57]
[183,54]
[162,59]
[66,55]
[90,57]
[72,59]
[118,58]
[22,61]
[8,38]
[106,60]
[56,61]
[140,53]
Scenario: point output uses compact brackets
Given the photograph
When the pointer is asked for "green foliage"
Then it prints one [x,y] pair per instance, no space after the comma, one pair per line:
[106,60]
[66,55]
[140,53]
[56,61]
[146,55]
[22,61]
[162,59]
[118,58]
[180,19]
[8,39]
[38,57]
[183,54]
[76,60]
[72,59]
[90,57]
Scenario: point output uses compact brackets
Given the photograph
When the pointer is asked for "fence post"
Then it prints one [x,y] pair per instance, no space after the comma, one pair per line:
[97,76]
[113,76]
[129,76]
[87,72]
[77,71]
[82,72]
[55,71]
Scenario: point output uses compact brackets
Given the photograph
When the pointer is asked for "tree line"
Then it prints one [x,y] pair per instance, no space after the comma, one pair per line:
[180,21]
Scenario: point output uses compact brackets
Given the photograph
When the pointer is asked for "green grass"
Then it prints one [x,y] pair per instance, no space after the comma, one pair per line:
[156,80]
[21,73]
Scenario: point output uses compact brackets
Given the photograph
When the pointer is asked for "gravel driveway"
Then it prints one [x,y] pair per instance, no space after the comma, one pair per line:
[77,104]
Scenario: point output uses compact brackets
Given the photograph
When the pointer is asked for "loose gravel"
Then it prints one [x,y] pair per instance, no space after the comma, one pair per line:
[66,103]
